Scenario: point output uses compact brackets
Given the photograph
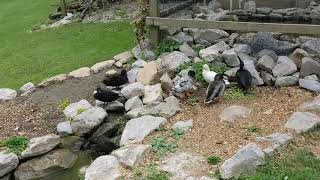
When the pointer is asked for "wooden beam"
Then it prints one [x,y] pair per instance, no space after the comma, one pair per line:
[154,30]
[235,26]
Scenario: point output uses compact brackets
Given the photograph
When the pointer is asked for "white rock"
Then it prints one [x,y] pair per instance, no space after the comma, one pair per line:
[256,79]
[242,48]
[309,67]
[172,61]
[302,122]
[123,57]
[132,155]
[152,94]
[183,125]
[8,162]
[187,50]
[139,64]
[235,112]
[7,94]
[85,122]
[148,73]
[64,128]
[245,160]
[40,145]
[278,142]
[297,56]
[80,73]
[135,113]
[54,79]
[285,81]
[311,106]
[111,72]
[102,65]
[312,77]
[137,129]
[27,88]
[132,90]
[212,53]
[104,168]
[72,110]
[133,103]
[166,83]
[266,63]
[285,66]
[310,85]
[132,74]
[168,108]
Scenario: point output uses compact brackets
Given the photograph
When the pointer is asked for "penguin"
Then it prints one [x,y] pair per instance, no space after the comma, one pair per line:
[117,80]
[105,95]
[215,89]
[243,77]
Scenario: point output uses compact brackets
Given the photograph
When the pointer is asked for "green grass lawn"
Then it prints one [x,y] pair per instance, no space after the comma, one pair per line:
[33,56]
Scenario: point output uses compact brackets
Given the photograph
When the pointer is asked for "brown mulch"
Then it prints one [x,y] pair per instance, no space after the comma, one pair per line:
[209,136]
[38,114]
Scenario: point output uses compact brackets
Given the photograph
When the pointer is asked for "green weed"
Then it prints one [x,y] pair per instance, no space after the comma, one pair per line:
[63,104]
[15,144]
[167,46]
[214,160]
[253,129]
[161,146]
[161,128]
[193,100]
[177,134]
[234,93]
[154,174]
[300,165]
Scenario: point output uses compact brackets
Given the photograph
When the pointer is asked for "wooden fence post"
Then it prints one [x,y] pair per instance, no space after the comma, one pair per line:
[63,7]
[154,30]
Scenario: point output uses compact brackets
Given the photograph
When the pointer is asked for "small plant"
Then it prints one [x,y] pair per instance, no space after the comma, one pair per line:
[214,160]
[167,46]
[160,145]
[253,129]
[161,128]
[15,144]
[154,174]
[81,110]
[193,100]
[235,93]
[177,134]
[63,104]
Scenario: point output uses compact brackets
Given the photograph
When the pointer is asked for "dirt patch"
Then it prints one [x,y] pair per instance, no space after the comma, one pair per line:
[270,110]
[38,113]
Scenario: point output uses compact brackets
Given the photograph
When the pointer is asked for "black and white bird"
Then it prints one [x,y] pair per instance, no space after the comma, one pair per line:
[215,89]
[185,84]
[117,79]
[105,95]
[243,77]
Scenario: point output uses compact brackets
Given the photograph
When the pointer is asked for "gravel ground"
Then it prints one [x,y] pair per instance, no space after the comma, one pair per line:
[38,113]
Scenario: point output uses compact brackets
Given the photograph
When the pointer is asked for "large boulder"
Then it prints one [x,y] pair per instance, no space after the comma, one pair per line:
[133,103]
[8,162]
[46,165]
[312,46]
[230,58]
[302,122]
[137,129]
[168,108]
[170,62]
[149,73]
[85,122]
[132,90]
[40,145]
[166,83]
[256,79]
[132,155]
[103,168]
[284,67]
[234,113]
[285,81]
[297,56]
[212,53]
[266,63]
[278,142]
[242,48]
[7,94]
[268,52]
[310,85]
[72,110]
[182,165]
[183,125]
[246,160]
[311,106]
[123,57]
[80,73]
[309,67]
[152,94]
[211,35]
[102,65]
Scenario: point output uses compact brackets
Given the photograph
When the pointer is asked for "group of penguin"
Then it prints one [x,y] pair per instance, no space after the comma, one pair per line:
[185,84]
[217,84]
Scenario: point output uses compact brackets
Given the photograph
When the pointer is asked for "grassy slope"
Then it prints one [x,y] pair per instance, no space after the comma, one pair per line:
[32,56]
